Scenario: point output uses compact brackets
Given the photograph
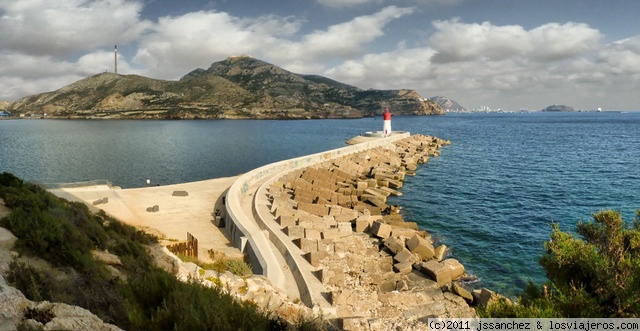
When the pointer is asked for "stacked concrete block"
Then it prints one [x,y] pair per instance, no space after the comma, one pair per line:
[380,229]
[337,208]
[294,231]
[440,252]
[436,271]
[420,246]
[314,258]
[306,245]
[456,268]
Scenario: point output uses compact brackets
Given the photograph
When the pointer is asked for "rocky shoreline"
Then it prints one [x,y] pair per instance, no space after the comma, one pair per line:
[380,271]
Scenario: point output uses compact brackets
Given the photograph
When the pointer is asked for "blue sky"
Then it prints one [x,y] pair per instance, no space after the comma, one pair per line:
[508,54]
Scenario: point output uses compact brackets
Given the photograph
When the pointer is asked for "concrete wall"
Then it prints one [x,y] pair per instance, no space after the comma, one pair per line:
[241,225]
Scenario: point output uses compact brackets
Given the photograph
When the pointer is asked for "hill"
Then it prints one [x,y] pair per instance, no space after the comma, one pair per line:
[235,88]
[448,104]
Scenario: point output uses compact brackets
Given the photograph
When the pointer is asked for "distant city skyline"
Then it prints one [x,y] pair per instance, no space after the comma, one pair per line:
[509,55]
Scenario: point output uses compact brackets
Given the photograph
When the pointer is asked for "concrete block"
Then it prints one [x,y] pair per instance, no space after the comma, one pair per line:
[363,225]
[457,269]
[436,271]
[402,232]
[395,245]
[403,268]
[380,230]
[180,194]
[306,245]
[312,234]
[405,256]
[420,246]
[294,231]
[345,227]
[327,245]
[440,251]
[462,292]
[330,234]
[314,258]
[286,220]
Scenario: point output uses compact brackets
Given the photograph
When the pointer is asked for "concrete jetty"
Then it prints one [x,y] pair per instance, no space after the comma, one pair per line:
[319,227]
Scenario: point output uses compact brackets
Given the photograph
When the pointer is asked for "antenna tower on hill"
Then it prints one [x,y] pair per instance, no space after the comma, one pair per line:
[115,58]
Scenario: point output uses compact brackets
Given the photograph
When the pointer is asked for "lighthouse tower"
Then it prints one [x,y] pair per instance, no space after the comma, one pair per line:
[386,126]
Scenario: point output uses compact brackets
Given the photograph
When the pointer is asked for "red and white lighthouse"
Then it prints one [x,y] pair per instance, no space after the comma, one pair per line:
[386,126]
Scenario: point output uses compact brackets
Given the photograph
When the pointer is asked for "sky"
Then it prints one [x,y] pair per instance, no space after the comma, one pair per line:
[507,54]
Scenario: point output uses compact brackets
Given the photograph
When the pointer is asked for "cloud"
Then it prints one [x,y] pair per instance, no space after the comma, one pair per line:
[341,40]
[60,28]
[177,45]
[347,3]
[456,41]
[506,66]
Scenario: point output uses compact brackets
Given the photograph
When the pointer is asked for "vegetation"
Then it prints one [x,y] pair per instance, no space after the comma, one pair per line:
[595,275]
[144,297]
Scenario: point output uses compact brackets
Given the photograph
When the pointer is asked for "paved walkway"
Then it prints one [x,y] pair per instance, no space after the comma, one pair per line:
[177,215]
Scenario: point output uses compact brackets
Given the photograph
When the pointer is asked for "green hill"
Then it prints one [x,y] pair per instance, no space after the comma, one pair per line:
[238,87]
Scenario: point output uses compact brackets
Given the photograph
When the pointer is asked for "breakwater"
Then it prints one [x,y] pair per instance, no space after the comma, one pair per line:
[351,254]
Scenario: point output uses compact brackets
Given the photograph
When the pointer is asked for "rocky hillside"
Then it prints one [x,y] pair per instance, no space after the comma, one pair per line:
[238,87]
[448,104]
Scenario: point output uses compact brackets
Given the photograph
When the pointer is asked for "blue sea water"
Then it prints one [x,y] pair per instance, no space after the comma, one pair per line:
[490,196]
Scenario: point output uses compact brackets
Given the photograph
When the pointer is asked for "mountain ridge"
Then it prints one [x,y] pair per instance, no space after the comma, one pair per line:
[239,87]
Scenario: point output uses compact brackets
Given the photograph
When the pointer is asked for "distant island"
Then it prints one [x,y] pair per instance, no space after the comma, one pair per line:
[558,108]
[239,87]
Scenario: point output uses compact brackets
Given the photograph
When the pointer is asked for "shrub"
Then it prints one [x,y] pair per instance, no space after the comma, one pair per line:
[594,275]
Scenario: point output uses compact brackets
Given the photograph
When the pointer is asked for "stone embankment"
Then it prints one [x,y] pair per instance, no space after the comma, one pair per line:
[379,271]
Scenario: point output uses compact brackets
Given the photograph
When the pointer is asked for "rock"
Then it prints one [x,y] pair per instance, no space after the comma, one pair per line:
[48,316]
[440,252]
[457,269]
[363,225]
[462,292]
[106,257]
[380,229]
[394,244]
[421,246]
[403,268]
[437,271]
[485,297]
[314,258]
[7,239]
[405,256]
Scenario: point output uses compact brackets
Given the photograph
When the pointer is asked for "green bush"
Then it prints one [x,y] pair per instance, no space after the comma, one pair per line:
[594,275]
[146,298]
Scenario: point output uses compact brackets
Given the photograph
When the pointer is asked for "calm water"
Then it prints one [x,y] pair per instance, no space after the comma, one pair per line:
[490,196]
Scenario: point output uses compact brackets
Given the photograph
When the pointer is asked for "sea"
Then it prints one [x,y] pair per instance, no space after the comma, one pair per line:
[491,196]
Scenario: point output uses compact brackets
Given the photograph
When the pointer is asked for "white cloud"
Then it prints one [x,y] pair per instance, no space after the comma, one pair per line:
[456,41]
[346,3]
[65,27]
[177,45]
[506,66]
[46,45]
